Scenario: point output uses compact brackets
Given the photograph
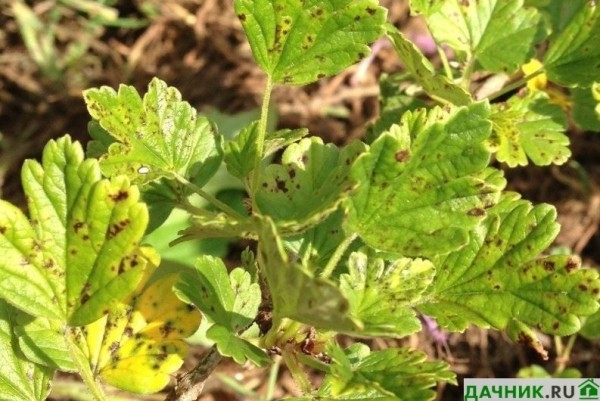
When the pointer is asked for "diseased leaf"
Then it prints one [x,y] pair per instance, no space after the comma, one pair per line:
[496,277]
[422,70]
[382,294]
[20,379]
[399,373]
[574,55]
[425,7]
[157,136]
[424,184]
[309,184]
[230,301]
[283,138]
[480,28]
[298,295]
[80,254]
[298,42]
[529,127]
[139,345]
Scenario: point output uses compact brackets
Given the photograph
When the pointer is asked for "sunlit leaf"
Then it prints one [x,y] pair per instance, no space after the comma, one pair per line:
[139,345]
[20,379]
[480,28]
[497,278]
[157,136]
[424,184]
[382,294]
[310,182]
[398,374]
[298,42]
[529,127]
[80,253]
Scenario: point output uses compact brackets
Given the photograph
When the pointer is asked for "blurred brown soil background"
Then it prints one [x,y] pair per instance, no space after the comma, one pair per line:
[198,46]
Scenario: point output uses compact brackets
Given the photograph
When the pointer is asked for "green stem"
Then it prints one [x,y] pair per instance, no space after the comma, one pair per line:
[74,338]
[466,78]
[564,355]
[262,133]
[445,63]
[335,258]
[515,85]
[214,201]
[272,382]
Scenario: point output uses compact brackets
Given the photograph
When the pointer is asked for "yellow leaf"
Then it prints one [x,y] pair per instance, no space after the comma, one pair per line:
[138,346]
[538,82]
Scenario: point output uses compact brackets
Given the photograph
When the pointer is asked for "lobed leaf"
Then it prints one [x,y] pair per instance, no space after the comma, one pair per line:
[80,254]
[300,41]
[423,71]
[479,28]
[231,301]
[309,184]
[138,346]
[156,136]
[573,56]
[20,379]
[381,294]
[241,151]
[591,326]
[529,127]
[398,374]
[424,184]
[496,279]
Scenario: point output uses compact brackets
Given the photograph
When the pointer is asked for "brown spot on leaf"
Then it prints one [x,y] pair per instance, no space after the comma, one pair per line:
[401,156]
[242,17]
[77,226]
[548,265]
[572,264]
[476,212]
[371,10]
[119,196]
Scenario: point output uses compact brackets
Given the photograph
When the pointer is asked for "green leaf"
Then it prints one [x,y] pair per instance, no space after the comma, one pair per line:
[298,42]
[591,327]
[316,246]
[424,185]
[382,294]
[573,56]
[235,347]
[139,345]
[43,342]
[500,34]
[80,254]
[394,101]
[241,152]
[230,301]
[298,295]
[529,127]
[283,138]
[399,373]
[497,277]
[217,225]
[157,136]
[425,7]
[20,379]
[309,184]
[586,107]
[422,70]
[558,12]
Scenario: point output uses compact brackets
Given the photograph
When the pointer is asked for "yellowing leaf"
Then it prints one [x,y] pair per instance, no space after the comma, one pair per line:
[538,82]
[139,346]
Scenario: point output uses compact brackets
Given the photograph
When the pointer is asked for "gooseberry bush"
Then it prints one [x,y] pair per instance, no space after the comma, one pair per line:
[362,240]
